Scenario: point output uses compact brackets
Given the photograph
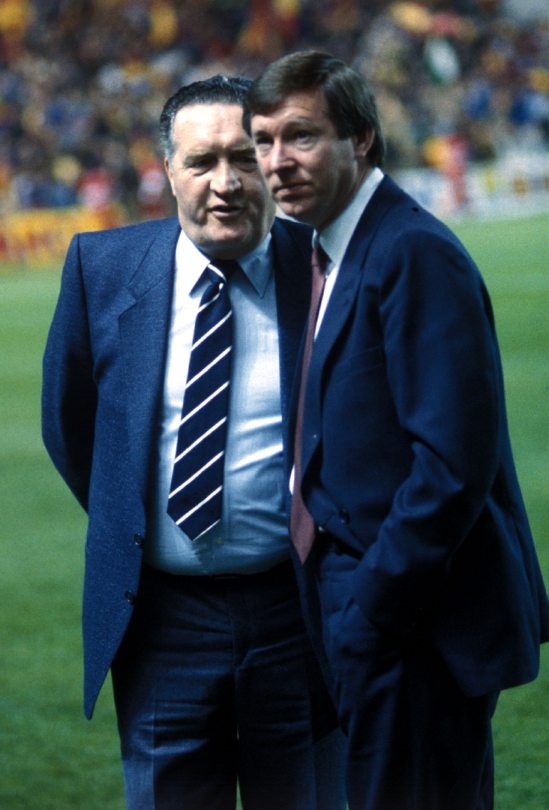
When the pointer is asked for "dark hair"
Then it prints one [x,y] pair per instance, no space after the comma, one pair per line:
[217,89]
[350,103]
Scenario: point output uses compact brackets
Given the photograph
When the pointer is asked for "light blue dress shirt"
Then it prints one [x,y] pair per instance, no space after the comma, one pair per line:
[252,535]
[336,236]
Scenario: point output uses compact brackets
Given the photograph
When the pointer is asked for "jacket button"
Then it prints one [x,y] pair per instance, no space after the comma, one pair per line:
[138,540]
[129,597]
[344,516]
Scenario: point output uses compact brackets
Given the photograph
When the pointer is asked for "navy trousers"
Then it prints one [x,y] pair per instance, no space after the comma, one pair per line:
[415,741]
[215,684]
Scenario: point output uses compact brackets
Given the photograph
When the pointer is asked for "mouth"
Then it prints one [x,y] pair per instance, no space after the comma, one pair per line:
[288,191]
[227,211]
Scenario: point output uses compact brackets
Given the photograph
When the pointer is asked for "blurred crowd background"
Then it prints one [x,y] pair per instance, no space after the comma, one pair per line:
[82,83]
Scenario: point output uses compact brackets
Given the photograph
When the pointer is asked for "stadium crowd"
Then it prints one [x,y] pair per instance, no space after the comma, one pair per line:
[82,83]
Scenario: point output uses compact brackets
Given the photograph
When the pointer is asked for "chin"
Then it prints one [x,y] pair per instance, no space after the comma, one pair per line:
[227,237]
[232,247]
[296,211]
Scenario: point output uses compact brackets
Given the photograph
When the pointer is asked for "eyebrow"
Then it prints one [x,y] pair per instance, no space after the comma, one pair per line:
[243,150]
[299,120]
[237,151]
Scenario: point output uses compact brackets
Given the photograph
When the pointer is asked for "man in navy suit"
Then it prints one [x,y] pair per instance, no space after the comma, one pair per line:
[406,506]
[214,677]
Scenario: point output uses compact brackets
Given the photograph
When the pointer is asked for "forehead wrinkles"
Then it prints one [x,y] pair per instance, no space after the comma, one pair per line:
[208,126]
[300,108]
[204,138]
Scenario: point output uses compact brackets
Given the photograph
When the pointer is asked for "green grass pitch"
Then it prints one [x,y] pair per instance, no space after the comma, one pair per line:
[50,757]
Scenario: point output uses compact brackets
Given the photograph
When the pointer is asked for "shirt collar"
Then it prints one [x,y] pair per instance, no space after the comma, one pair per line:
[191,263]
[336,236]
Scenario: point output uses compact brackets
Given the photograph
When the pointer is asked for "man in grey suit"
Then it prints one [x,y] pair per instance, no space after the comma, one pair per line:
[214,679]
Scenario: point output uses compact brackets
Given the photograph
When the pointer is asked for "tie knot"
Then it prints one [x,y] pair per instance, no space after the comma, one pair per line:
[319,259]
[221,270]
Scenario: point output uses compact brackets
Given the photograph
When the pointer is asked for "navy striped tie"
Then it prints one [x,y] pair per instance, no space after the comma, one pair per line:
[196,498]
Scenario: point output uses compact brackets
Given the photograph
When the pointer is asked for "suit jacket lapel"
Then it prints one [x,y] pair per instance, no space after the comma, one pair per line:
[293,282]
[144,326]
[341,302]
[144,330]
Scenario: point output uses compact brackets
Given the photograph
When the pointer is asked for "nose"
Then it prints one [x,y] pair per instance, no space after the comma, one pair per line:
[279,158]
[226,179]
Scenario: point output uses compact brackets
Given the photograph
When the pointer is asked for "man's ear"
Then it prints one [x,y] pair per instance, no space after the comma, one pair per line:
[363,143]
[169,174]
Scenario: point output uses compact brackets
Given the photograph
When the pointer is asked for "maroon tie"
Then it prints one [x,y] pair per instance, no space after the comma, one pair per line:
[302,527]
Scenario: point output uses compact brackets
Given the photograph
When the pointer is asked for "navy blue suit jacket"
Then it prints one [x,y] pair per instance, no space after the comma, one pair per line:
[103,378]
[406,453]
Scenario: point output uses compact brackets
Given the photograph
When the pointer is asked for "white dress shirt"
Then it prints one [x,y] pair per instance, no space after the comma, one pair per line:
[336,236]
[252,535]
[335,239]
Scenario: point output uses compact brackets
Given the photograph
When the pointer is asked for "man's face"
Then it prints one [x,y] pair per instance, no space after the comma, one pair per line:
[312,172]
[223,204]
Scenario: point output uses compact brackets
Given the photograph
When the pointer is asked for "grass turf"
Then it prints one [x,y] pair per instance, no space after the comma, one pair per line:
[50,757]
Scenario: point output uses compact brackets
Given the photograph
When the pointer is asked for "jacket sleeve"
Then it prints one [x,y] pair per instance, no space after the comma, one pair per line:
[443,372]
[69,394]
